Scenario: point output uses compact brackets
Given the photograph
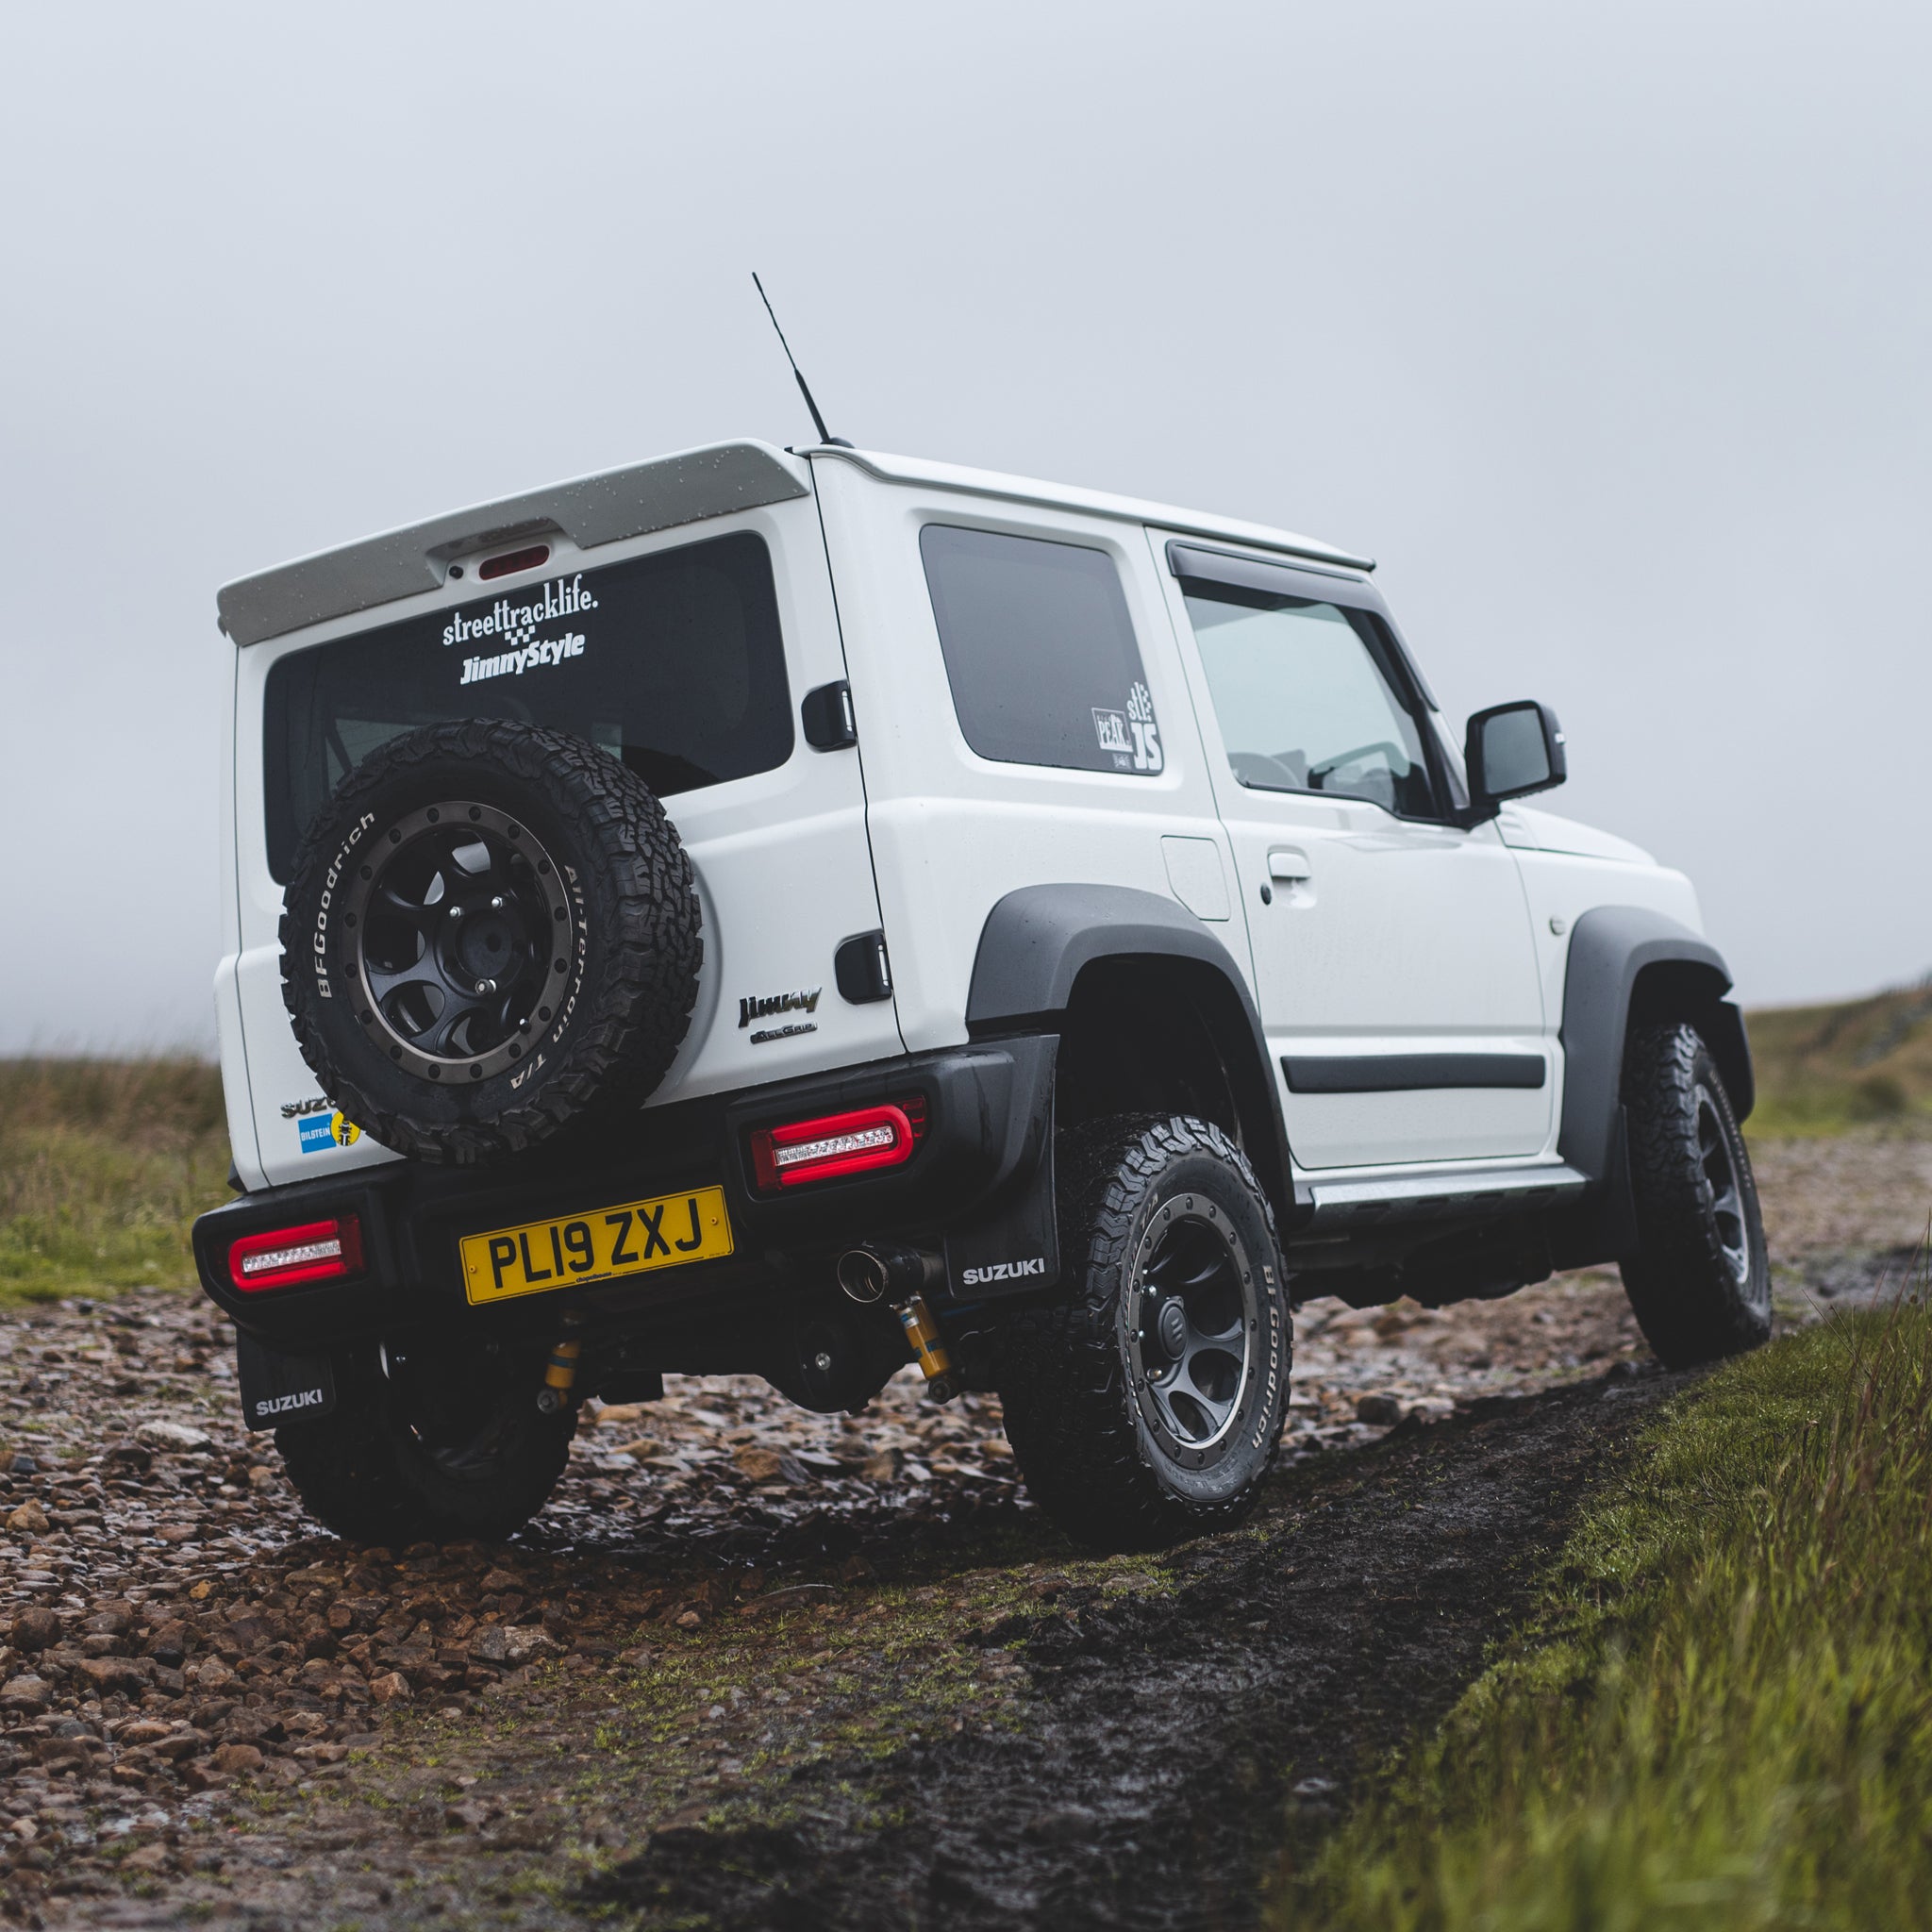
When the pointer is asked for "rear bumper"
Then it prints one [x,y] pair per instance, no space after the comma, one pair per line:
[984,1105]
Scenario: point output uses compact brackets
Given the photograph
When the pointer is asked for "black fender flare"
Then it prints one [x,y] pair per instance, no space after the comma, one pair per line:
[1626,961]
[1037,941]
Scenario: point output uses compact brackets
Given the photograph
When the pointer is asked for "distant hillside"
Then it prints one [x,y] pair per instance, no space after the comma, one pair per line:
[1861,1061]
[103,1166]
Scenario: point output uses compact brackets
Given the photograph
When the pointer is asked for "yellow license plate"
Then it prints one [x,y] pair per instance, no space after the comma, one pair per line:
[542,1256]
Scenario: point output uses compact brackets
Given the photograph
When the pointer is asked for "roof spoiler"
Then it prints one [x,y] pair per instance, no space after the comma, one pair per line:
[590,510]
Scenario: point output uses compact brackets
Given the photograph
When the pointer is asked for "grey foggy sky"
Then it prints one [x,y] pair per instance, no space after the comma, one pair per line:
[1604,327]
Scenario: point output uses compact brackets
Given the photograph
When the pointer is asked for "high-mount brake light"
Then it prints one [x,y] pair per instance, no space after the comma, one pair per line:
[837,1144]
[513,560]
[316,1251]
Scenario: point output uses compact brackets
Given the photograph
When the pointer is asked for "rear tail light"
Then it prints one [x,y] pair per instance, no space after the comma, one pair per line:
[837,1144]
[316,1251]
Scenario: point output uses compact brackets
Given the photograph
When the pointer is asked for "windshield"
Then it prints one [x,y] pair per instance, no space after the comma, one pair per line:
[672,663]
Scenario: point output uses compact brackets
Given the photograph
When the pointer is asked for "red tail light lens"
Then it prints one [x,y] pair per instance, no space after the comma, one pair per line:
[513,560]
[834,1144]
[317,1251]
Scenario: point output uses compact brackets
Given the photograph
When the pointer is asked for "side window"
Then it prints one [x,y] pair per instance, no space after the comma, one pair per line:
[1039,652]
[1304,702]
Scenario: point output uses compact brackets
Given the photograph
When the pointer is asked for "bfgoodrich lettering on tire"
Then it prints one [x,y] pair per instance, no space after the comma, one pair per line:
[1700,1282]
[1145,1403]
[491,932]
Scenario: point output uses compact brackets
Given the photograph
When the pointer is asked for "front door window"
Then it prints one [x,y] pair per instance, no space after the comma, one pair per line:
[1304,704]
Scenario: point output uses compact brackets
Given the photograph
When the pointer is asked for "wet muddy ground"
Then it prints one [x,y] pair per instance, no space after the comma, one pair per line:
[758,1667]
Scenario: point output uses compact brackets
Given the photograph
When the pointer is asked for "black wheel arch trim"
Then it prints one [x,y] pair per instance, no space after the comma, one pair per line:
[1037,941]
[1627,959]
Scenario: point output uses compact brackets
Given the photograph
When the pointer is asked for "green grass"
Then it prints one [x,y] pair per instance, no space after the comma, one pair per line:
[1721,1717]
[104,1164]
[1863,1063]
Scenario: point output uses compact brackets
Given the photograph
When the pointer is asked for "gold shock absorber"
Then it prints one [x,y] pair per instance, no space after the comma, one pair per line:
[560,1372]
[928,1342]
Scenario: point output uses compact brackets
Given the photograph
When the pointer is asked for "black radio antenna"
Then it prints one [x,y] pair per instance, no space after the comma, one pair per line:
[818,422]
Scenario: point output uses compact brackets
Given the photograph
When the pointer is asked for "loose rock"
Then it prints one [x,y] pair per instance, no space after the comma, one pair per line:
[162,1434]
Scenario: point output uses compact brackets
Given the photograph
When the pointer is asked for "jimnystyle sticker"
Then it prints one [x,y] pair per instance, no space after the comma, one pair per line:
[514,628]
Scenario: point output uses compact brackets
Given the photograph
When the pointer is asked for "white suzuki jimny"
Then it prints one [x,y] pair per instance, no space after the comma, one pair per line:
[798,912]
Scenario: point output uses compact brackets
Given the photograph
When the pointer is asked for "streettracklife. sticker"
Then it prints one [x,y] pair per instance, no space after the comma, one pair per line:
[514,628]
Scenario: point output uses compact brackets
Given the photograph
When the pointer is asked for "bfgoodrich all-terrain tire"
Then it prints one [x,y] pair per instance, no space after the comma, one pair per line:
[1145,1401]
[1700,1281]
[491,932]
[444,1446]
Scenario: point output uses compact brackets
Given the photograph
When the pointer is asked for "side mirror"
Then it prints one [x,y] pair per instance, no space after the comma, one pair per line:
[1512,750]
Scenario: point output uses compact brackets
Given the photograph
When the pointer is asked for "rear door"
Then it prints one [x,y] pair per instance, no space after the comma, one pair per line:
[686,654]
[1398,980]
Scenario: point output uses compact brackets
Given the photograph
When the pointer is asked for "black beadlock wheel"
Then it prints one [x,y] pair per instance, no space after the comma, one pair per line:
[441,1446]
[491,932]
[1145,1402]
[1700,1280]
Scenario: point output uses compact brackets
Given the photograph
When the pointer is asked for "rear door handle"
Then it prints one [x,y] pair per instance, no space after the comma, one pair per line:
[1286,864]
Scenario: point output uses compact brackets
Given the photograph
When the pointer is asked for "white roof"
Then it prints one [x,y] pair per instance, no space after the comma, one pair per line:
[1102,502]
[683,488]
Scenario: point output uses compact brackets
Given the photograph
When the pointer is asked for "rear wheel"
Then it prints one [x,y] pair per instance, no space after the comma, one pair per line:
[445,1446]
[1145,1403]
[1700,1281]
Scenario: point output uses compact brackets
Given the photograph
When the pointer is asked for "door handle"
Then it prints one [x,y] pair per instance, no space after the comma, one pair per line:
[1286,864]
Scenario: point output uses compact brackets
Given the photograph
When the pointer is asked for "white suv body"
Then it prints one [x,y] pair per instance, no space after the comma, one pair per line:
[1385,936]
[1088,891]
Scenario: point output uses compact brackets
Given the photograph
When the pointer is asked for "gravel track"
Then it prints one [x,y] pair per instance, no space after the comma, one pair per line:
[777,1668]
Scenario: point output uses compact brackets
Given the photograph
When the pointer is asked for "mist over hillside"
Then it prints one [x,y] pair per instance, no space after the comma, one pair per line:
[1857,1061]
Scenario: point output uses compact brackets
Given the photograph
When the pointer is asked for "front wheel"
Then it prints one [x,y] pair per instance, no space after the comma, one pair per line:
[1144,1404]
[444,1445]
[1700,1281]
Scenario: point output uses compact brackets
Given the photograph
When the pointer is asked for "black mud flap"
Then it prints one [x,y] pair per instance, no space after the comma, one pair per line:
[1014,1248]
[277,1389]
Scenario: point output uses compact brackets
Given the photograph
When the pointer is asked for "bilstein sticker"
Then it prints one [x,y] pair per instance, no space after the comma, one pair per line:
[318,1134]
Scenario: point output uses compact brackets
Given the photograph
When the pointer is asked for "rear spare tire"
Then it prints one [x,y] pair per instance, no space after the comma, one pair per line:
[491,932]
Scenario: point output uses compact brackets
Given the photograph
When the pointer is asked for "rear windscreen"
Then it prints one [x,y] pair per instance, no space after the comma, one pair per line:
[672,663]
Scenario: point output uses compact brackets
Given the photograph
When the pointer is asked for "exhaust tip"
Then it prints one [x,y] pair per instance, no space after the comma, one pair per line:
[862,1276]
